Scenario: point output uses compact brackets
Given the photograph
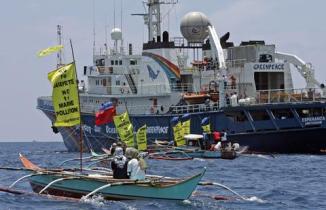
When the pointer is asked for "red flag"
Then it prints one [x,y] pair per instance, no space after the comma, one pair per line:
[105,116]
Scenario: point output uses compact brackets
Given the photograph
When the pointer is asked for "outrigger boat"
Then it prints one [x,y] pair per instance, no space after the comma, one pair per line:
[194,148]
[77,185]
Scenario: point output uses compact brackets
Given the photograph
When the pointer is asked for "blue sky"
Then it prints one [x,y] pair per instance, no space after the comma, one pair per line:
[295,26]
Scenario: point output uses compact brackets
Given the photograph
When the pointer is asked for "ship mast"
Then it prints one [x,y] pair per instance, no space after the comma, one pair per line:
[59,40]
[153,17]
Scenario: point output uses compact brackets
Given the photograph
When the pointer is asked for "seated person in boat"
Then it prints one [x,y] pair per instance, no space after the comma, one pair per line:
[217,141]
[136,166]
[119,164]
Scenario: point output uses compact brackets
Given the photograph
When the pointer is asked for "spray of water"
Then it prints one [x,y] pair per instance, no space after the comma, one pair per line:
[96,200]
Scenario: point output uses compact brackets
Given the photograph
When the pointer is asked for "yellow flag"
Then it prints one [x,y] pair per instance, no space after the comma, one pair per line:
[142,138]
[124,128]
[186,127]
[49,50]
[65,96]
[178,134]
[206,128]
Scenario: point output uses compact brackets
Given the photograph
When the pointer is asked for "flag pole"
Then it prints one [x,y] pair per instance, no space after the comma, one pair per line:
[80,125]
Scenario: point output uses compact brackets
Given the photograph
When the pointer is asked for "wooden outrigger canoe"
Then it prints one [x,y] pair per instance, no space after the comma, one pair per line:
[194,148]
[76,185]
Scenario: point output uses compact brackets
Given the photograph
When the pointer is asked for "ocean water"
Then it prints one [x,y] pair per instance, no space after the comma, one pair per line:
[266,182]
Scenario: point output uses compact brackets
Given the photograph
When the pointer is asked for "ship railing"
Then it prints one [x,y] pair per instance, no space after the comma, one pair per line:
[175,109]
[184,87]
[289,95]
[45,103]
[193,108]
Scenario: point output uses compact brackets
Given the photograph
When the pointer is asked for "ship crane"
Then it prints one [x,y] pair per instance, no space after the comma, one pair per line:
[305,69]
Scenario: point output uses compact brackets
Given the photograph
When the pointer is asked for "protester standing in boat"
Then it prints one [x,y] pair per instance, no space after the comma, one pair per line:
[136,166]
[224,140]
[119,164]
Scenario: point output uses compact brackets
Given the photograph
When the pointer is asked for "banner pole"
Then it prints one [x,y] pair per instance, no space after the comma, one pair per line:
[80,125]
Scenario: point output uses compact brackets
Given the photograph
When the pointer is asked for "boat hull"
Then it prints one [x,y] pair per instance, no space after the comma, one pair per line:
[77,188]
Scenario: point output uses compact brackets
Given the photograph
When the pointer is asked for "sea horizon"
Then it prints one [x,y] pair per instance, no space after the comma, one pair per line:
[28,140]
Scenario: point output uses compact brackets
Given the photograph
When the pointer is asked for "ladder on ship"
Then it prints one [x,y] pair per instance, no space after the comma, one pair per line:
[131,83]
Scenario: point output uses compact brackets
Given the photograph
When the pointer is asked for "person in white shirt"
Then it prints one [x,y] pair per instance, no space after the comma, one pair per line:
[217,147]
[136,166]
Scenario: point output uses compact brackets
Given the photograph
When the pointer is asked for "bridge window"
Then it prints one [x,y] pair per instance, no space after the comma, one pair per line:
[100,62]
[282,114]
[120,62]
[258,115]
[133,62]
[112,62]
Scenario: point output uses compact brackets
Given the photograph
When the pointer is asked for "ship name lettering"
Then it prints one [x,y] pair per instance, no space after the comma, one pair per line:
[157,129]
[87,129]
[312,119]
[110,130]
[270,66]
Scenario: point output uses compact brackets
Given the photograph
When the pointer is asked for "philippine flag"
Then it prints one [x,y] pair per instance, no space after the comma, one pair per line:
[105,114]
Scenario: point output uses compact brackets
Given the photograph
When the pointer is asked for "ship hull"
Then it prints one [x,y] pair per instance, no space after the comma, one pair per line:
[277,136]
[308,140]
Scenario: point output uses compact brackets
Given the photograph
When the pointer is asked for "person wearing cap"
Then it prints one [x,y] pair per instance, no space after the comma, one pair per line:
[136,165]
[119,164]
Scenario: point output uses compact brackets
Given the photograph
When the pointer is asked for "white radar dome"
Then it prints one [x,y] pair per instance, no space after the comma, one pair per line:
[116,34]
[194,27]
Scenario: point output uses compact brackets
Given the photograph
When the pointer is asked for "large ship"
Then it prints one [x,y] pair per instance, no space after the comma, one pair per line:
[245,90]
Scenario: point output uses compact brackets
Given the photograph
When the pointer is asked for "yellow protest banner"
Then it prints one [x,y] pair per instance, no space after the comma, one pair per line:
[206,128]
[142,138]
[49,50]
[124,128]
[178,134]
[65,96]
[186,127]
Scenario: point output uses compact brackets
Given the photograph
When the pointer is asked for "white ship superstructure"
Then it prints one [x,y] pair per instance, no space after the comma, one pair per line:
[198,73]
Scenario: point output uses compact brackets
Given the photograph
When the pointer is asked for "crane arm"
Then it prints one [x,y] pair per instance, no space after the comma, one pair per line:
[305,69]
